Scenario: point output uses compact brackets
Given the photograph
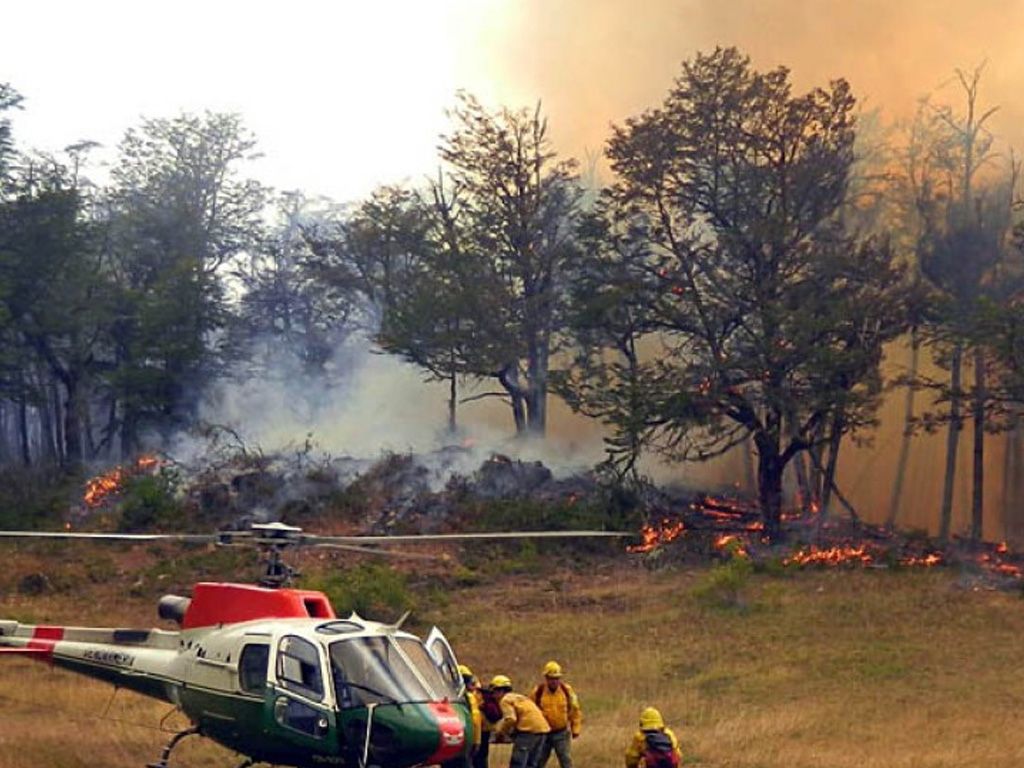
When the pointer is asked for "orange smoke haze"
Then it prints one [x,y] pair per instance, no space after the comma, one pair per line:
[596,62]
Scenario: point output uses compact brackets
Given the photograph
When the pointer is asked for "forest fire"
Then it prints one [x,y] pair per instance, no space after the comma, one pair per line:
[98,489]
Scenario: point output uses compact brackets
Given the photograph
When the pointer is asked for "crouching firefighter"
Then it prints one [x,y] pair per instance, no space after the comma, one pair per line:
[561,708]
[523,721]
[654,745]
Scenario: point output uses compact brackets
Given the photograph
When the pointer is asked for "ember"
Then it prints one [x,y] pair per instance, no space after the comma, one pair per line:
[101,487]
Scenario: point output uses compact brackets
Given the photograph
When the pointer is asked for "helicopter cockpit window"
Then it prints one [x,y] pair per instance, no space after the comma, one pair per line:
[445,679]
[371,670]
[298,668]
[252,668]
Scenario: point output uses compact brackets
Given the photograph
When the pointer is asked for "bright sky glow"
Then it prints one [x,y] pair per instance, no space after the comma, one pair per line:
[342,95]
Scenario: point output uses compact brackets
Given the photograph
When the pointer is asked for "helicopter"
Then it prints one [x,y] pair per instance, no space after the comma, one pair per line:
[270,671]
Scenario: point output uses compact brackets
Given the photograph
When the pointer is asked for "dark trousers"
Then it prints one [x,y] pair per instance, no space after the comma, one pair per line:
[526,750]
[559,742]
[483,751]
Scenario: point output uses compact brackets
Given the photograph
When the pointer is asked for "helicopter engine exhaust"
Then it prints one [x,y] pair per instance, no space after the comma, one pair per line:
[173,608]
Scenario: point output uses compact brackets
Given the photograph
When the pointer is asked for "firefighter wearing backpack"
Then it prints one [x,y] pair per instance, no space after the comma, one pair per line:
[561,708]
[654,745]
[523,721]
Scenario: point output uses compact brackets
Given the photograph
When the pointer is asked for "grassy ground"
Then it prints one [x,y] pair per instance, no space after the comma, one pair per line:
[851,668]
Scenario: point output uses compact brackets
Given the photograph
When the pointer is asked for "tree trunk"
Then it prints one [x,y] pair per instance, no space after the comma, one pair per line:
[537,388]
[1011,478]
[835,442]
[952,443]
[129,439]
[978,414]
[769,485]
[908,420]
[58,426]
[453,398]
[750,482]
[803,483]
[26,447]
[72,422]
[47,431]
[509,379]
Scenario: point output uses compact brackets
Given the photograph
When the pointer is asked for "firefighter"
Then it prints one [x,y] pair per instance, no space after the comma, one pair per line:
[523,721]
[475,698]
[561,708]
[654,745]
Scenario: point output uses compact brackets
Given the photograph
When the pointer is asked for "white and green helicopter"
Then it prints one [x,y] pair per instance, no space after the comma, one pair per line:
[270,672]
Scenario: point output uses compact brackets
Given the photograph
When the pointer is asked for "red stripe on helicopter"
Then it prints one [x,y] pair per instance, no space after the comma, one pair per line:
[44,639]
[452,732]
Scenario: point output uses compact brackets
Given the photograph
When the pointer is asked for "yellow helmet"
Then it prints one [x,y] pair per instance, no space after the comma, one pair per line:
[650,719]
[465,671]
[552,669]
[501,681]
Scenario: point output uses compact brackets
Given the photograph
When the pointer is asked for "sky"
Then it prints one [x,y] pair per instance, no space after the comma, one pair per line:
[344,96]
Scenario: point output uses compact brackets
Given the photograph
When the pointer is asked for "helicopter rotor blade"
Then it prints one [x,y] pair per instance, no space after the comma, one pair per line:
[316,540]
[189,538]
[378,552]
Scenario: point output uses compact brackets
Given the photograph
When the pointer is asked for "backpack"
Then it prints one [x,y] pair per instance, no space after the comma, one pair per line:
[538,693]
[489,706]
[658,751]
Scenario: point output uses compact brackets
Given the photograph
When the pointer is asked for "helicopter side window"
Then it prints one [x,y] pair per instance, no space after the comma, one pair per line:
[298,668]
[252,668]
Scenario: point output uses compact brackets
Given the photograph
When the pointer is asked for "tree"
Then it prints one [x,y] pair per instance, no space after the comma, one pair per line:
[766,318]
[56,299]
[961,252]
[283,306]
[519,212]
[9,99]
[439,314]
[179,213]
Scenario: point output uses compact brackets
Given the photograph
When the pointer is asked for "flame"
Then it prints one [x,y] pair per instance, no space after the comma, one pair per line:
[927,561]
[654,536]
[837,555]
[730,542]
[98,489]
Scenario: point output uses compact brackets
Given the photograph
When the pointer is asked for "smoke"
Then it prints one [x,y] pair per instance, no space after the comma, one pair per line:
[594,63]
[367,404]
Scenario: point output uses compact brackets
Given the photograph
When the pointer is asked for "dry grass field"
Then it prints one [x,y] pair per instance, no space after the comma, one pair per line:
[847,669]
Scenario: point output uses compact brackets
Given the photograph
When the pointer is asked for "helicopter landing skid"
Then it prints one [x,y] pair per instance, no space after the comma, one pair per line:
[166,754]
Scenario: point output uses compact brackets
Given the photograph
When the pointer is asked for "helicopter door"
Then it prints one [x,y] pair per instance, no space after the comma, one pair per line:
[296,703]
[441,651]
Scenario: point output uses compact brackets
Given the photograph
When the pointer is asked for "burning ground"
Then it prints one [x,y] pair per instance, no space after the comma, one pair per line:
[461,488]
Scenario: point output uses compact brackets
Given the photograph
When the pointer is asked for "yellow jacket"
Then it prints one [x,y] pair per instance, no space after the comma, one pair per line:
[520,715]
[475,711]
[561,709]
[635,751]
